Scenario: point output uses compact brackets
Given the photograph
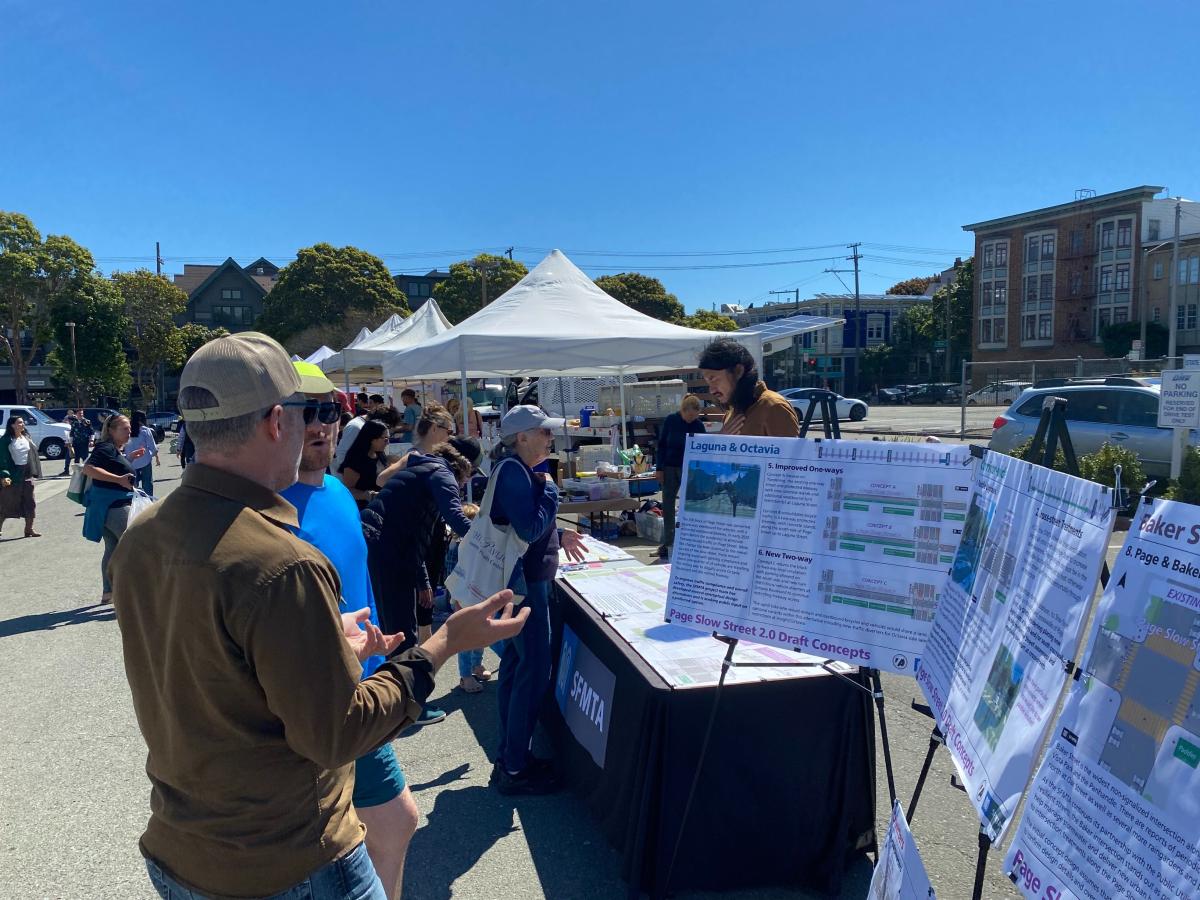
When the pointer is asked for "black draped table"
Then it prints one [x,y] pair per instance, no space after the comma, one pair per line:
[787,790]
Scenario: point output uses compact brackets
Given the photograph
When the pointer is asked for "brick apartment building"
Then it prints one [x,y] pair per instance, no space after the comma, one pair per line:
[1047,282]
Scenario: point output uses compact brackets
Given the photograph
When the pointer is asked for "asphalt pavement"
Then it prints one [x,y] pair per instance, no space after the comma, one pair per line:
[74,797]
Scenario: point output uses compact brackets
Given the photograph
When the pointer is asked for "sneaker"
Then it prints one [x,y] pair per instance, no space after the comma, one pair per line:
[661,552]
[536,764]
[530,781]
[429,715]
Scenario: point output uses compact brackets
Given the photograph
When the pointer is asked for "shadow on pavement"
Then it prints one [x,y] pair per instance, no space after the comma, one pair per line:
[569,853]
[52,620]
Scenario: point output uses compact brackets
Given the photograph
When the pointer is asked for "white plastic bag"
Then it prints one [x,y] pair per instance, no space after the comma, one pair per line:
[139,504]
[487,555]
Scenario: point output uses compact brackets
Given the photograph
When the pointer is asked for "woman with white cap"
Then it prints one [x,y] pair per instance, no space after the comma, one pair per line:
[528,501]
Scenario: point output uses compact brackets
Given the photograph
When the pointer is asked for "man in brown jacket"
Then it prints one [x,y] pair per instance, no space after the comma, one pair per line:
[243,674]
[752,409]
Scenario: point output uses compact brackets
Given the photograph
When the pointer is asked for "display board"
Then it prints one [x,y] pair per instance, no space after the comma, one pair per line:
[1011,614]
[836,548]
[1115,808]
[899,873]
[632,600]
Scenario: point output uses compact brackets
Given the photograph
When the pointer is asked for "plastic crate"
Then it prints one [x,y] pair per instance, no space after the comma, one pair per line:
[649,526]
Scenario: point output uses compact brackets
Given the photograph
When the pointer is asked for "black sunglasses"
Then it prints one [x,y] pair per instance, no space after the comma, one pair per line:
[325,411]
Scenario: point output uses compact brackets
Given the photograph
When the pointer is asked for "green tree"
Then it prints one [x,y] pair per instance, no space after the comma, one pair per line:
[643,293]
[925,322]
[34,275]
[1118,339]
[151,304]
[912,286]
[98,366]
[709,321]
[325,285]
[884,364]
[461,295]
[193,336]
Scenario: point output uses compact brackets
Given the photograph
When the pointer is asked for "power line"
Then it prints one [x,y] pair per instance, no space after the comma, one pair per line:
[680,253]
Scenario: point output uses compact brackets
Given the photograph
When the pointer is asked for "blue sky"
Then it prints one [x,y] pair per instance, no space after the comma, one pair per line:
[426,132]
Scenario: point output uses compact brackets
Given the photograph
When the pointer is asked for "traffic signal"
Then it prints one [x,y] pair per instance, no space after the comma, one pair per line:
[812,364]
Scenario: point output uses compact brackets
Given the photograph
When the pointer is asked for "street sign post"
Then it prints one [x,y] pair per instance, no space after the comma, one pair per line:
[1179,408]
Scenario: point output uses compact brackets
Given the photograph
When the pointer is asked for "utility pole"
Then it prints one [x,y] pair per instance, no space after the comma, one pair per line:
[74,364]
[1173,323]
[483,268]
[509,252]
[157,258]
[859,332]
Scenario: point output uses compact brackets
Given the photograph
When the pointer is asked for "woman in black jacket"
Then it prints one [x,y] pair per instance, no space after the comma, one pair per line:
[398,525]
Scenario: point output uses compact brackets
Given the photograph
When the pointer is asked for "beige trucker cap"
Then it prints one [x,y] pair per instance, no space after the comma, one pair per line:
[245,372]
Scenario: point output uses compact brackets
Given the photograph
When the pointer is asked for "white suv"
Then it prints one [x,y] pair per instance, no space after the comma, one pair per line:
[52,438]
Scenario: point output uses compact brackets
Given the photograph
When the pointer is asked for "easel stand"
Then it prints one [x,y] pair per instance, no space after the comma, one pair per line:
[1051,435]
[826,402]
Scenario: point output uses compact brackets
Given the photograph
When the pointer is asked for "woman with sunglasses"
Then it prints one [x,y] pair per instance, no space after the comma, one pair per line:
[19,468]
[365,460]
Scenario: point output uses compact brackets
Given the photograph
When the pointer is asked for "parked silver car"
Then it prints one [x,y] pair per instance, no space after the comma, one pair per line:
[1118,411]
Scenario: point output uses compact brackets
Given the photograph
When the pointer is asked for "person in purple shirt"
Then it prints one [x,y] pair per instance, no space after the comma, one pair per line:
[528,501]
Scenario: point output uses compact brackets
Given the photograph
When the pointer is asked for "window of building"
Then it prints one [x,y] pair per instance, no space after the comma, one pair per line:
[1106,274]
[231,294]
[1158,270]
[1122,276]
[1153,229]
[1046,288]
[260,271]
[875,328]
[1106,235]
[1032,245]
[1076,239]
[1048,246]
[1156,315]
[993,312]
[232,315]
[1185,315]
[414,289]
[1076,284]
[1181,276]
[995,255]
[1124,233]
[1194,270]
[425,285]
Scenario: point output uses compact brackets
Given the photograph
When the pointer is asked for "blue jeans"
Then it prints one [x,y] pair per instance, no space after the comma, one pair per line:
[350,878]
[524,679]
[145,478]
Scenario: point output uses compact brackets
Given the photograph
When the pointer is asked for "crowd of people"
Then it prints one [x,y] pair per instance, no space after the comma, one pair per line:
[276,614]
[277,609]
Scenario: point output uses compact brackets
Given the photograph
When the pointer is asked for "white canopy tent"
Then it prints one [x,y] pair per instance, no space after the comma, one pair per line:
[556,321]
[363,361]
[321,353]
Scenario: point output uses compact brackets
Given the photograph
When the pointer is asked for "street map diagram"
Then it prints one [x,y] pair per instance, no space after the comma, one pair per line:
[1140,703]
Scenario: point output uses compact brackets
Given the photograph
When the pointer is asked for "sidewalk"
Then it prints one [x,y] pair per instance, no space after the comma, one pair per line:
[74,796]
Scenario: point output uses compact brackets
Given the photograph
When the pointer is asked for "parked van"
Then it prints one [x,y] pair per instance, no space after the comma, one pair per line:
[52,438]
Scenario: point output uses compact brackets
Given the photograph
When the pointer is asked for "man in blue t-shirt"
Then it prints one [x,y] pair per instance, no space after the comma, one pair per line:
[329,521]
[411,415]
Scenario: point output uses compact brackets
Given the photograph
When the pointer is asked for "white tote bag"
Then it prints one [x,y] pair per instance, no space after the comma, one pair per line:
[488,554]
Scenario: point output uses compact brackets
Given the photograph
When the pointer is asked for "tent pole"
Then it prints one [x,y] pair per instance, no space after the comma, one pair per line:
[624,417]
[562,407]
